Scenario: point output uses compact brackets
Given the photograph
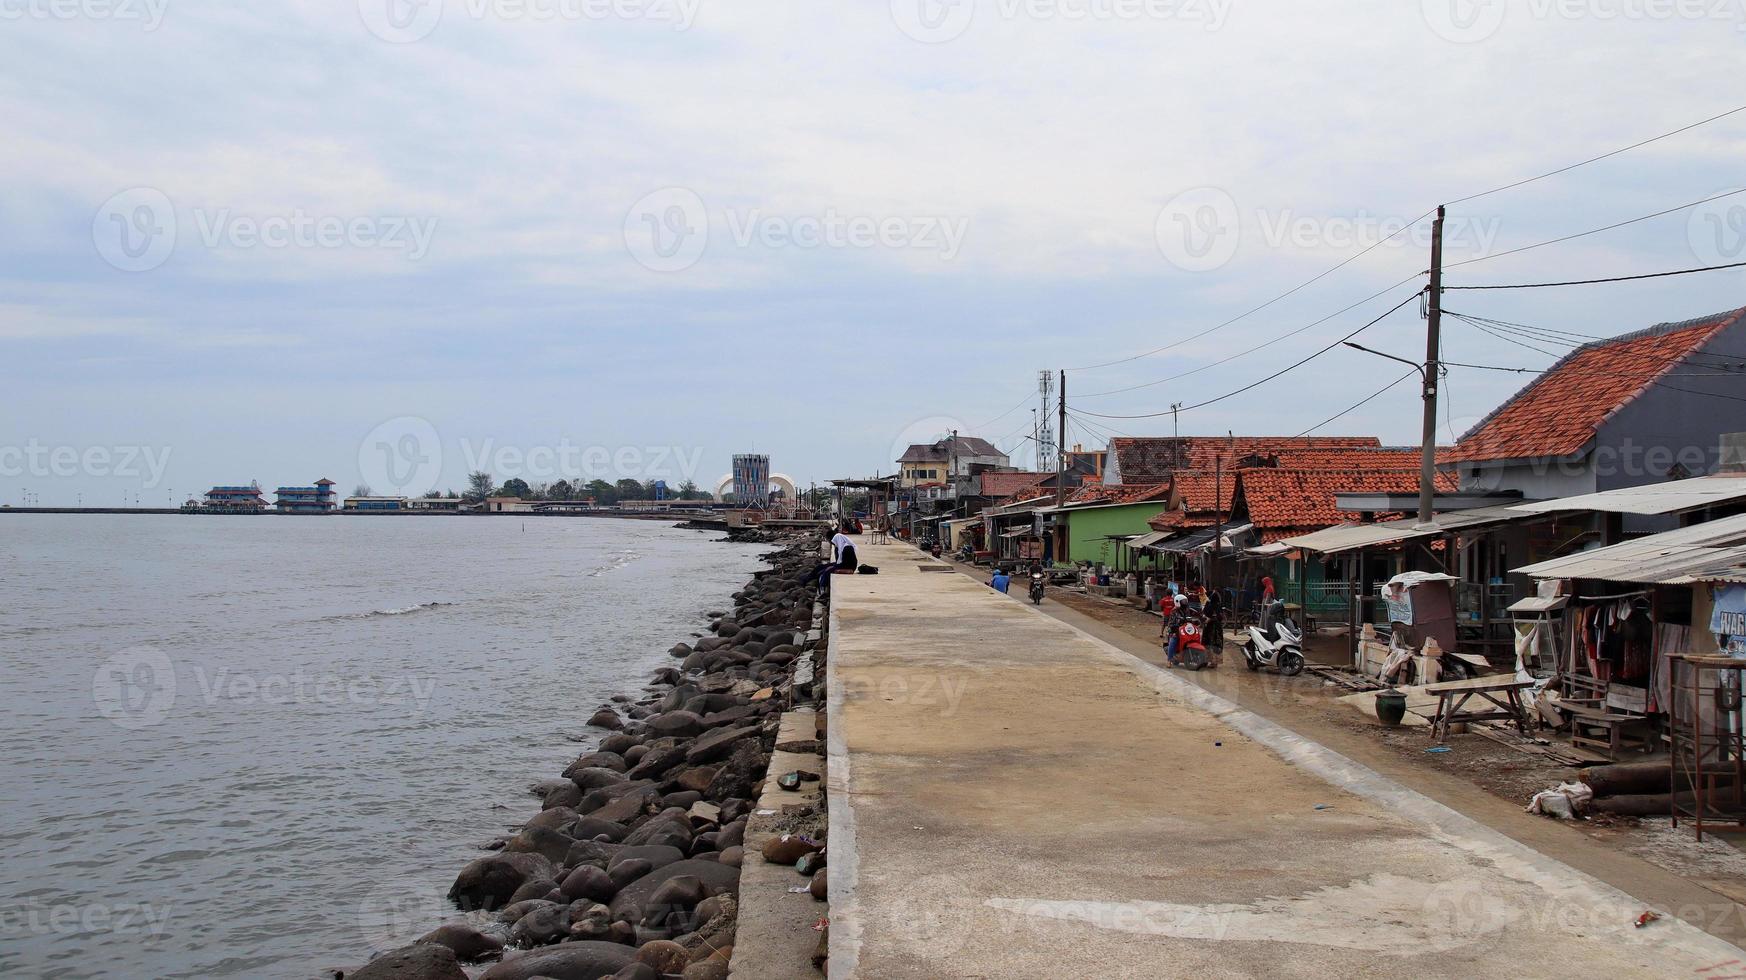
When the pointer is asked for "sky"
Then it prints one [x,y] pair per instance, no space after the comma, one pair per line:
[393,241]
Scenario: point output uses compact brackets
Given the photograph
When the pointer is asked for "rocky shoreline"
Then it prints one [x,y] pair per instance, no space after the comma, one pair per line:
[631,869]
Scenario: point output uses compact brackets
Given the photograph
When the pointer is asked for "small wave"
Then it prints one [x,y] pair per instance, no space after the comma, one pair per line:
[403,610]
[400,611]
[619,560]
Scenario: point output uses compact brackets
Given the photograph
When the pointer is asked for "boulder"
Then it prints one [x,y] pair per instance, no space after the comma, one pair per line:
[591,852]
[596,760]
[658,855]
[732,856]
[589,882]
[744,767]
[467,943]
[714,877]
[624,872]
[488,882]
[618,743]
[667,958]
[658,762]
[710,969]
[820,887]
[542,927]
[626,808]
[636,971]
[540,840]
[678,724]
[590,921]
[592,827]
[606,718]
[513,912]
[789,848]
[591,778]
[671,903]
[533,889]
[695,778]
[565,961]
[680,650]
[420,961]
[568,795]
[717,744]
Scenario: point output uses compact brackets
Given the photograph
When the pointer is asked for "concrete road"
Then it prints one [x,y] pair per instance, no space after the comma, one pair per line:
[1011,797]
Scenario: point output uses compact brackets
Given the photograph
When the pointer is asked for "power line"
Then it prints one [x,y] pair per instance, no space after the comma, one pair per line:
[1651,381]
[1261,346]
[1587,282]
[1595,231]
[1256,384]
[1594,159]
[1244,315]
[1411,224]
[1022,402]
[1367,399]
[1547,336]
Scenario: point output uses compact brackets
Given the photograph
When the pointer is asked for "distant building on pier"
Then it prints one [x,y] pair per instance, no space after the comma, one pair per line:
[751,480]
[318,499]
[376,504]
[242,500]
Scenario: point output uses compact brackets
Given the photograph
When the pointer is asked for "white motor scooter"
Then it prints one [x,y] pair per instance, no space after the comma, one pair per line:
[1279,647]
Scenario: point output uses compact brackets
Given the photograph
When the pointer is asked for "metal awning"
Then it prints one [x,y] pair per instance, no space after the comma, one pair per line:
[1274,550]
[1351,537]
[1023,532]
[1147,540]
[1535,604]
[1672,497]
[1699,553]
[1192,541]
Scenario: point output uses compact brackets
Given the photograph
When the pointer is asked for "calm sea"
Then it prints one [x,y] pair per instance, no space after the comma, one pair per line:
[261,746]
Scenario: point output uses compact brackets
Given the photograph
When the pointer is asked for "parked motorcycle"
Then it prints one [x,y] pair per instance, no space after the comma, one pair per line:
[1278,647]
[1191,649]
[1037,582]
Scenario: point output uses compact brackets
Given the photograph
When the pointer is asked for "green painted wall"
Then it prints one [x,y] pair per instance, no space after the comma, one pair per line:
[1086,529]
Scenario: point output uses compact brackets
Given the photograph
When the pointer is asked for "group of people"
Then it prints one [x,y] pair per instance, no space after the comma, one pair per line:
[1195,604]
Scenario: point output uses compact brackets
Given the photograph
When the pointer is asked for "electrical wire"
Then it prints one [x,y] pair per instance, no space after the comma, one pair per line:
[1595,159]
[1256,384]
[1589,282]
[1261,346]
[1022,403]
[1717,362]
[1593,231]
[1366,400]
[1411,224]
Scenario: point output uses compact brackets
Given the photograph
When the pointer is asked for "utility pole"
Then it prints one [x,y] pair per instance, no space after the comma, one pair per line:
[1061,449]
[1433,339]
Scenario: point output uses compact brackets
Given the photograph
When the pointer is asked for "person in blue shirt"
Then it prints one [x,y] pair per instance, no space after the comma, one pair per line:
[1001,580]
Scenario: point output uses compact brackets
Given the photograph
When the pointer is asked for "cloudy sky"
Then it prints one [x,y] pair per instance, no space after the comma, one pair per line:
[391,241]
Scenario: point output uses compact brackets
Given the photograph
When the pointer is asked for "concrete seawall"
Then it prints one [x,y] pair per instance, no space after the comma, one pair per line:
[1011,797]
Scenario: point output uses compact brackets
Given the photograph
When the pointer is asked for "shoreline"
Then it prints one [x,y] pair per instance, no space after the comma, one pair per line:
[631,868]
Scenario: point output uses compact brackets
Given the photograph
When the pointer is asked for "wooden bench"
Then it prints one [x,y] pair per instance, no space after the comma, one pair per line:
[1609,731]
[1501,694]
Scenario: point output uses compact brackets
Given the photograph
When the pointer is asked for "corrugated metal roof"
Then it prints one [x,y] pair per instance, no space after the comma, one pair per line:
[1671,497]
[1349,537]
[1678,557]
[1148,539]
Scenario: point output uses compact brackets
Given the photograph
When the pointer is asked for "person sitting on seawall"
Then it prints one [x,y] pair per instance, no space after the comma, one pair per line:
[843,558]
[1000,580]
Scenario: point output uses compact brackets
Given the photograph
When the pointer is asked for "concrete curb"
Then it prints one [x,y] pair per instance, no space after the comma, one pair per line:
[842,871]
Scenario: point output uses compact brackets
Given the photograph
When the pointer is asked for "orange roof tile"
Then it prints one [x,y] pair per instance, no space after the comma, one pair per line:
[1125,493]
[1559,412]
[1007,484]
[1276,498]
[1153,459]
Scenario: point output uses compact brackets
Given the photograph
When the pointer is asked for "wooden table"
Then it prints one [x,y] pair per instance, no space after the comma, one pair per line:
[1502,694]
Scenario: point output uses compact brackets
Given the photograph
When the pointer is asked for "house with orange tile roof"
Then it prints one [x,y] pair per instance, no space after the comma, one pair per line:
[1625,411]
[1155,459]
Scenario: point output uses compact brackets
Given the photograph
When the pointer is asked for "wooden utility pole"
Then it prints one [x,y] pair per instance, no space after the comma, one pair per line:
[1433,338]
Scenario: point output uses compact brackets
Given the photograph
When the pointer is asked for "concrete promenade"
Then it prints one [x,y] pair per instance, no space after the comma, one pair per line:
[1011,797]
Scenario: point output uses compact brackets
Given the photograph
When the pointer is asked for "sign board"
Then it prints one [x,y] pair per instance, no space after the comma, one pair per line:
[1728,619]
